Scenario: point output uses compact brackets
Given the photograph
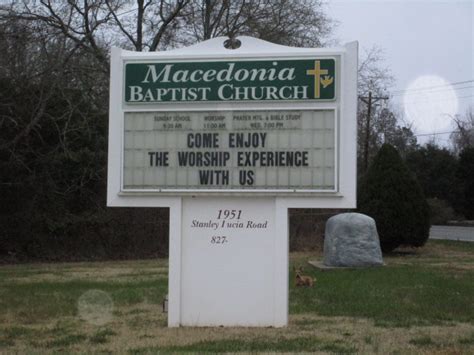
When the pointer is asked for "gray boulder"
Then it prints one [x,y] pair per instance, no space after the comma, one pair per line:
[351,240]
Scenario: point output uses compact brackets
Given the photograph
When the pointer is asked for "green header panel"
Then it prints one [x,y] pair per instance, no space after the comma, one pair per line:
[266,80]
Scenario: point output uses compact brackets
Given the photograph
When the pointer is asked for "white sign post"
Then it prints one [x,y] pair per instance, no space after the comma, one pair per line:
[229,140]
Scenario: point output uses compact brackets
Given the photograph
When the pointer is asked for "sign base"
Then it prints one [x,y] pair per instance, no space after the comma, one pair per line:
[230,263]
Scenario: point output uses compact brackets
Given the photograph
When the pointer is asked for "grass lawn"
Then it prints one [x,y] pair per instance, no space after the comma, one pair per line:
[422,301]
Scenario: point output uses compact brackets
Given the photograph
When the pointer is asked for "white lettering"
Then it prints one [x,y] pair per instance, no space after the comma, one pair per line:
[241,93]
[227,72]
[192,94]
[136,93]
[272,74]
[271,93]
[165,73]
[160,93]
[209,75]
[282,92]
[241,75]
[220,92]
[255,72]
[254,94]
[180,76]
[225,75]
[286,74]
[303,90]
[148,96]
[193,77]
[204,92]
[173,93]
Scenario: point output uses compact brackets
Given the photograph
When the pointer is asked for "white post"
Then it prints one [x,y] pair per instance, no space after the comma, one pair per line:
[174,272]
[281,264]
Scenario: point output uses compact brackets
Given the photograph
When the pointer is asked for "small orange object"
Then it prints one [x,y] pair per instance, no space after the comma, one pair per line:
[303,280]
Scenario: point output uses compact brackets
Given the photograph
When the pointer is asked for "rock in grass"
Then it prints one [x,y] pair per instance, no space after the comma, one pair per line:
[351,240]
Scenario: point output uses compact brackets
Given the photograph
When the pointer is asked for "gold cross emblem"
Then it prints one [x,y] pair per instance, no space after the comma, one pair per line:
[317,72]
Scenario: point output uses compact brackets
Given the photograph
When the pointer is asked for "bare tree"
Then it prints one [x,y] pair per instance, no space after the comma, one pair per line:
[374,75]
[297,23]
[463,137]
[79,22]
[386,123]
[145,24]
[213,18]
[95,25]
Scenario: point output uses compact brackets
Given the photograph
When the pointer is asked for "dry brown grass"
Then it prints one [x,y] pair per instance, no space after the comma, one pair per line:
[142,325]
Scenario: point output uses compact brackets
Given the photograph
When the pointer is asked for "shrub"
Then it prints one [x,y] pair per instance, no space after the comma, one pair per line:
[440,211]
[466,174]
[435,169]
[391,195]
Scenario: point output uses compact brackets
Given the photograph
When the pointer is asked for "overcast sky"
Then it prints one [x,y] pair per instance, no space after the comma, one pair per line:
[427,43]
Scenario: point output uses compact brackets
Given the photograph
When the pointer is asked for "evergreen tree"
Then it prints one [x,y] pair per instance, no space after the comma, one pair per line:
[466,174]
[435,168]
[391,195]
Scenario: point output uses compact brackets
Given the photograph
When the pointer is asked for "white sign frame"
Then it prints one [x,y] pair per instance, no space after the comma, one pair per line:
[345,106]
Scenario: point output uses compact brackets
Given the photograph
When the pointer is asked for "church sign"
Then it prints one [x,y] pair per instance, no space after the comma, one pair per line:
[229,140]
[264,80]
[271,150]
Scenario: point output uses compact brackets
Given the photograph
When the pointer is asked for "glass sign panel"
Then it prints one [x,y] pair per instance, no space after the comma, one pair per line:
[230,150]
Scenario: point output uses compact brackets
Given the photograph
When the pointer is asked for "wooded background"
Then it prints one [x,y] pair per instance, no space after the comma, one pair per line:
[54,79]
